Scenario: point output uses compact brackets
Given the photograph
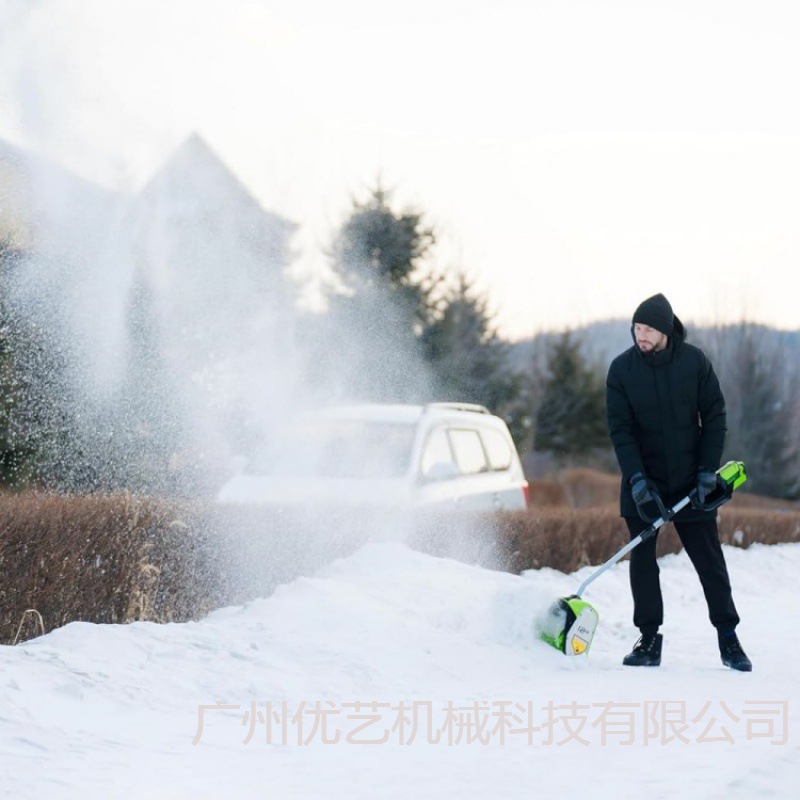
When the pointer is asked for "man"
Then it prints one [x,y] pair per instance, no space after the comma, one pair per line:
[666,419]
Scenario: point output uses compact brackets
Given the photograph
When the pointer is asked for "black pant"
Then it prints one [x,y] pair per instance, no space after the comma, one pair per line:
[701,541]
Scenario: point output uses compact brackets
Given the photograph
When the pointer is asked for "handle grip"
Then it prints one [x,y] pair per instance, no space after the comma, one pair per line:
[663,511]
[730,477]
[720,495]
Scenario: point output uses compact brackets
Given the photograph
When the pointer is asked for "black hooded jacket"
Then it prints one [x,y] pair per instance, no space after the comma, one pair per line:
[666,419]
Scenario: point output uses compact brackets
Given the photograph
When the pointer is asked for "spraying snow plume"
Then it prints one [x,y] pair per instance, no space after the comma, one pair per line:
[168,311]
[165,338]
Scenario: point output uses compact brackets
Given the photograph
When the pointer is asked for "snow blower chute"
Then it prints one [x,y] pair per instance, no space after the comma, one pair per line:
[570,622]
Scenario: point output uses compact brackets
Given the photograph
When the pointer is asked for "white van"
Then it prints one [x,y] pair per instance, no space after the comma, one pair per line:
[439,455]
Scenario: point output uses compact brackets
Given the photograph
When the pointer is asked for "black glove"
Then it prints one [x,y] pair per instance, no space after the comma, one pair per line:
[640,489]
[706,484]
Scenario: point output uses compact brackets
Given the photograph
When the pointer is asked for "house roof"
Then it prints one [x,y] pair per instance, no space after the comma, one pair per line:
[195,181]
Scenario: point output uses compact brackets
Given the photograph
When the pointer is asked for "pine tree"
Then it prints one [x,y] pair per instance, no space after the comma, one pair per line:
[13,450]
[31,411]
[396,332]
[367,346]
[570,419]
[762,394]
[379,251]
[469,359]
[140,422]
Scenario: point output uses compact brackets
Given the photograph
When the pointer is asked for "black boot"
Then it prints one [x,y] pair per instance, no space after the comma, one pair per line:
[732,654]
[646,652]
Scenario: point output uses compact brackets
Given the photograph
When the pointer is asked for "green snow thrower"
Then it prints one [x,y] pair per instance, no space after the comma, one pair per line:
[570,622]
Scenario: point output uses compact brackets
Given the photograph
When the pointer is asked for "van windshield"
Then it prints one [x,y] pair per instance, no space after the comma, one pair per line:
[338,448]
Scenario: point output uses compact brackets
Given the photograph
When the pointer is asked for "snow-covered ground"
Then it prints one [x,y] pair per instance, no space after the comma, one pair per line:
[393,674]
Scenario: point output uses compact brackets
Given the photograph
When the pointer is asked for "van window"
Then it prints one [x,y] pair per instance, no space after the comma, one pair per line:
[468,450]
[338,448]
[437,451]
[498,449]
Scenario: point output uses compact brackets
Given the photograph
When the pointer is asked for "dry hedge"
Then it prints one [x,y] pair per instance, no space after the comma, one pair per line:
[119,558]
[99,558]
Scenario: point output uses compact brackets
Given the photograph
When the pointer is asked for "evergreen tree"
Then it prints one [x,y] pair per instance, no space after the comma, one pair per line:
[469,359]
[136,430]
[395,332]
[379,251]
[367,346]
[14,450]
[33,402]
[762,394]
[570,419]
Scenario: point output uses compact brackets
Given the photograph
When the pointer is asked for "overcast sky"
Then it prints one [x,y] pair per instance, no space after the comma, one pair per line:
[575,156]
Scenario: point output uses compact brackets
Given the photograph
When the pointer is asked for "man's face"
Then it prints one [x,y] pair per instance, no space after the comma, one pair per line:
[648,339]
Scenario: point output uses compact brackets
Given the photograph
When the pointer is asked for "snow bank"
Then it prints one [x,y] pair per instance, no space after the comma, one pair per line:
[394,674]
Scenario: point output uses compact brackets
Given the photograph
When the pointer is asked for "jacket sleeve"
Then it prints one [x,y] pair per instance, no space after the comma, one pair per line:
[712,418]
[622,426]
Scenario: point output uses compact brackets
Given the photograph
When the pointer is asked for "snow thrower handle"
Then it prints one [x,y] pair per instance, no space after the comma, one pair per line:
[647,533]
[732,475]
[663,512]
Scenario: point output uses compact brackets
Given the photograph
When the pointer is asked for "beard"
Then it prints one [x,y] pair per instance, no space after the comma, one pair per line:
[648,348]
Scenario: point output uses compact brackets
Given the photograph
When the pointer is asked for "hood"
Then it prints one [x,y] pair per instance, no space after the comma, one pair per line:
[309,491]
[675,341]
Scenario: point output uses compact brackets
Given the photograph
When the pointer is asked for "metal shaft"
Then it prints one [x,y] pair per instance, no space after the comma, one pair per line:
[635,542]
